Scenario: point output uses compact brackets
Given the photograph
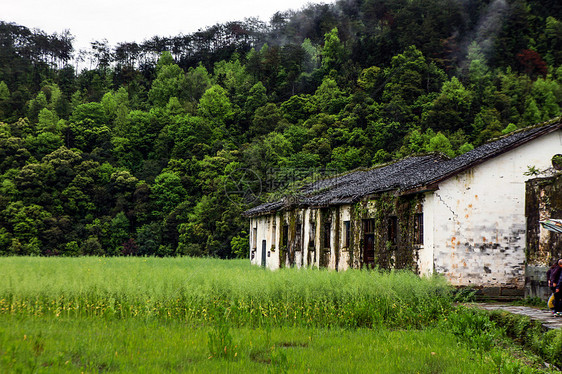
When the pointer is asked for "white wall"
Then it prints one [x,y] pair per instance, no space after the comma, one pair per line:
[345,215]
[425,254]
[261,228]
[477,218]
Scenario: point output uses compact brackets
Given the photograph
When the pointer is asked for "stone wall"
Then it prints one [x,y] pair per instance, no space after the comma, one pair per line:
[543,201]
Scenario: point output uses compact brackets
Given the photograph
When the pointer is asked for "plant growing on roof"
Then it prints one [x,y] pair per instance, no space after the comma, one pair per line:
[557,161]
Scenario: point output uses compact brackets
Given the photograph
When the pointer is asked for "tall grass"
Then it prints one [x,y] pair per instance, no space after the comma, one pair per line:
[198,289]
[94,345]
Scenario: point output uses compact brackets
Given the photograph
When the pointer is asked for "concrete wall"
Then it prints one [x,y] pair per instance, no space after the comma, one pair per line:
[478,218]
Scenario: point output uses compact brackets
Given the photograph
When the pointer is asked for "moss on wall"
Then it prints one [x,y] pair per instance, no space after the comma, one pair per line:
[543,199]
[400,255]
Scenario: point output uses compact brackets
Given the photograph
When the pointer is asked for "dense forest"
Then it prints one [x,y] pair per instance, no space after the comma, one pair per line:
[135,149]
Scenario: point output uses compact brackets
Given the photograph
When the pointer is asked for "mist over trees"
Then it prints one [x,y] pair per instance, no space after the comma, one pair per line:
[142,148]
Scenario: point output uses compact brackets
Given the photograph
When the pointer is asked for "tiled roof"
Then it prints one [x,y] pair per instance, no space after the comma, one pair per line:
[410,174]
[448,168]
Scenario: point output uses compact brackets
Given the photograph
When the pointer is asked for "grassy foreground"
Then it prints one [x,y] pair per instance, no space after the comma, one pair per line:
[201,315]
[132,345]
[195,289]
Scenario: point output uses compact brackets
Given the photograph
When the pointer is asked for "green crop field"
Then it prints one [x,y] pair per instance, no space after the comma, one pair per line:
[202,315]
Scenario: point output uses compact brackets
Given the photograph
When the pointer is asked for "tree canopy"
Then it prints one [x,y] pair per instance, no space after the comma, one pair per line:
[155,148]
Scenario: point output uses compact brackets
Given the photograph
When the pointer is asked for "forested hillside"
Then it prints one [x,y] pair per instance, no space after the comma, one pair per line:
[136,151]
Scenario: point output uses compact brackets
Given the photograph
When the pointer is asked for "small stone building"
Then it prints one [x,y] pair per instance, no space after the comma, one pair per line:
[464,217]
[543,201]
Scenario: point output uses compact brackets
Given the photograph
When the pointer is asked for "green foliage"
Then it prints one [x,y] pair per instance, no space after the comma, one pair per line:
[346,87]
[333,52]
[440,143]
[229,314]
[221,344]
[137,344]
[215,105]
[474,328]
[198,289]
[240,245]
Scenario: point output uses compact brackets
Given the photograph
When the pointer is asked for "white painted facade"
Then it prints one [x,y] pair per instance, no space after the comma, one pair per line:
[475,227]
[269,228]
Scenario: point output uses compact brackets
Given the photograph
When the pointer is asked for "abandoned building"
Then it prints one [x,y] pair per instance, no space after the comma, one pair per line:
[467,218]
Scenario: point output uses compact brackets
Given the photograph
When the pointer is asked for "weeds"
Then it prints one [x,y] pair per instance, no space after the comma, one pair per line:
[221,344]
[223,300]
[194,289]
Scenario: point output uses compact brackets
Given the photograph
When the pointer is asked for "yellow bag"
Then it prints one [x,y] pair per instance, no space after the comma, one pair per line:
[551,302]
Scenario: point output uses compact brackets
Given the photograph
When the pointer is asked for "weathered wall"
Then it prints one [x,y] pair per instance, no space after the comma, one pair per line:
[265,228]
[543,201]
[296,237]
[346,252]
[425,253]
[479,218]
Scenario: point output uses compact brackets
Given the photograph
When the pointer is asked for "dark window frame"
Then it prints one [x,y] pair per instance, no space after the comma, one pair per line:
[327,235]
[418,228]
[254,238]
[393,230]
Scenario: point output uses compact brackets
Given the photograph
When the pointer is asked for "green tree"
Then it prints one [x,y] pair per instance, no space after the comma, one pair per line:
[215,106]
[267,119]
[170,82]
[197,82]
[440,143]
[167,192]
[334,53]
[451,109]
[119,230]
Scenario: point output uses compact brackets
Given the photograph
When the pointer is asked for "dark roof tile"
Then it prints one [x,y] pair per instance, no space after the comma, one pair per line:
[409,174]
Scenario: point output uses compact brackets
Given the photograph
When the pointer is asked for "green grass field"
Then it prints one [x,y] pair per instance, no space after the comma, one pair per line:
[202,315]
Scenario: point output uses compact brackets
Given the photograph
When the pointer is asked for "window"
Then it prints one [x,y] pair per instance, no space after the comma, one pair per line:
[274,234]
[254,238]
[347,228]
[298,237]
[418,228]
[327,232]
[368,242]
[368,226]
[393,230]
[285,235]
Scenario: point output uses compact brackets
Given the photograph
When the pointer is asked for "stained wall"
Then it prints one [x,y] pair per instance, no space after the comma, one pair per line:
[478,218]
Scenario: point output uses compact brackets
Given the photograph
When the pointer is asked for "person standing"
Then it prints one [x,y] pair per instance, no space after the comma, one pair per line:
[556,279]
[553,267]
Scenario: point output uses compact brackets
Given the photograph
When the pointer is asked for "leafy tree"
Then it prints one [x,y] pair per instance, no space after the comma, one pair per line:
[215,106]
[267,119]
[197,82]
[167,193]
[119,230]
[440,143]
[333,52]
[170,81]
[240,245]
[450,110]
[329,98]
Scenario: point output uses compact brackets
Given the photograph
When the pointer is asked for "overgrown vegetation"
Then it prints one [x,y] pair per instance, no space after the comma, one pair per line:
[203,315]
[206,290]
[145,148]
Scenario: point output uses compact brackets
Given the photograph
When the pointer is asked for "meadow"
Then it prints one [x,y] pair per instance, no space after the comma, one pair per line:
[94,314]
